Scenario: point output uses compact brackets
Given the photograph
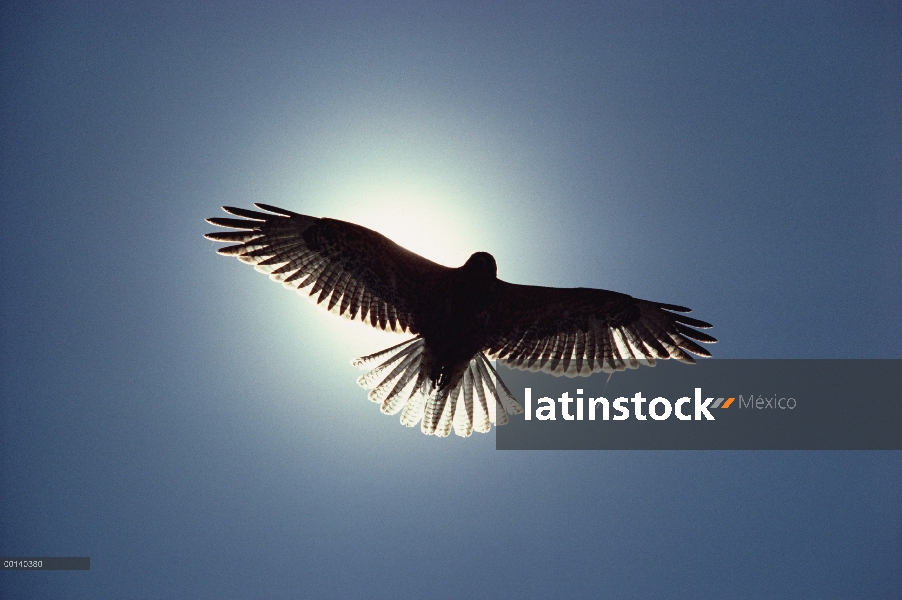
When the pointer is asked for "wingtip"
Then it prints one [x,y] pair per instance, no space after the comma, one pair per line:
[674,307]
[275,209]
[693,322]
[245,213]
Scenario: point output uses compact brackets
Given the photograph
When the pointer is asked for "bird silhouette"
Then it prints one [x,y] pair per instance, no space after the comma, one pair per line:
[460,318]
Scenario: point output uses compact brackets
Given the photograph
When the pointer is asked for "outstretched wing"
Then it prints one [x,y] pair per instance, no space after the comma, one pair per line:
[358,273]
[579,331]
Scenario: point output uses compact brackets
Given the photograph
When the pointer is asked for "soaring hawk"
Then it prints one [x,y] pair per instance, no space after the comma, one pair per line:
[461,318]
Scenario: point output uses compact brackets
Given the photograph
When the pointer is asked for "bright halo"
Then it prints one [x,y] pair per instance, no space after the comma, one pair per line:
[411,213]
[416,222]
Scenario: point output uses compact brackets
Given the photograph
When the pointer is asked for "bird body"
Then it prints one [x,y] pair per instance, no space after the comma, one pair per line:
[460,317]
[461,311]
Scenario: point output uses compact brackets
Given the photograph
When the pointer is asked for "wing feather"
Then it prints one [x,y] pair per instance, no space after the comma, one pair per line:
[358,273]
[579,331]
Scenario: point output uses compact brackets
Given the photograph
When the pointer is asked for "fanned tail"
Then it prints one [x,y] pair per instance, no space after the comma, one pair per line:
[474,398]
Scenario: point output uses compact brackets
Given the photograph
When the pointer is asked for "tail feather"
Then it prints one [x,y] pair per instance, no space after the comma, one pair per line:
[413,410]
[482,422]
[376,378]
[498,417]
[398,397]
[390,385]
[505,397]
[443,427]
[463,413]
[433,410]
[474,398]
[365,361]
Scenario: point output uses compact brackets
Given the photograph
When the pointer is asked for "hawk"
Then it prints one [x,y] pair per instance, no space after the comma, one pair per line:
[460,318]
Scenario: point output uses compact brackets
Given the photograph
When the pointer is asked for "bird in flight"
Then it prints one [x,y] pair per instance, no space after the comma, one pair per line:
[461,318]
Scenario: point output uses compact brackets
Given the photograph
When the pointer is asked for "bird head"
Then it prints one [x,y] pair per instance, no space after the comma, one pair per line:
[482,264]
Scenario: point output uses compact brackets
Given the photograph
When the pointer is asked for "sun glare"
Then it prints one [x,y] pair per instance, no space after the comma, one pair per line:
[412,180]
[417,223]
[415,216]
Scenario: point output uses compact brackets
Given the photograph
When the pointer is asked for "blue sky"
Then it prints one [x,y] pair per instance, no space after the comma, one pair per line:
[196,430]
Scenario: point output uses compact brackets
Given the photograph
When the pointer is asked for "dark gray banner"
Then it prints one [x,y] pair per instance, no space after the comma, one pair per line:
[716,404]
